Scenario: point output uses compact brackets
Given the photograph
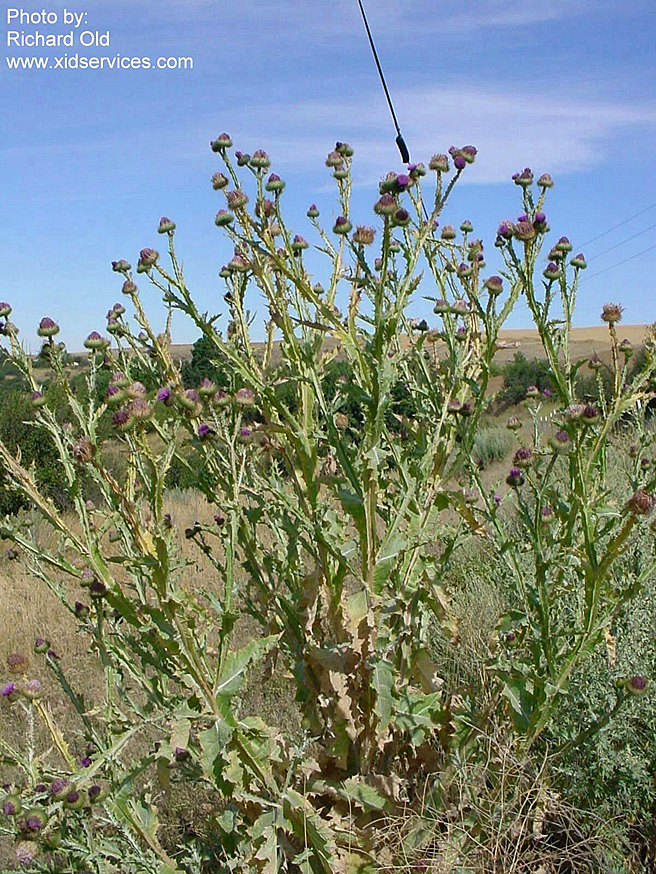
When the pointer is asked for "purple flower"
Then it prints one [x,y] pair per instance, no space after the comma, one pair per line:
[8,690]
[164,395]
[515,478]
[85,762]
[402,181]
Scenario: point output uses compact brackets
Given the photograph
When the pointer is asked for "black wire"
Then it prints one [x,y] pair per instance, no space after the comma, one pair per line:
[400,142]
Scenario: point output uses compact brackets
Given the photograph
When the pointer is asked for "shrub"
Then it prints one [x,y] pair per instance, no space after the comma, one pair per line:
[520,373]
[492,444]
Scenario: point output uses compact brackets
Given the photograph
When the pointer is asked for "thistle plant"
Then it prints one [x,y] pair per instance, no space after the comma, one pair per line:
[334,534]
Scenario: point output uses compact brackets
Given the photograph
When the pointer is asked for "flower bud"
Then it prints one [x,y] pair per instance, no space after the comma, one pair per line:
[47,328]
[298,244]
[636,685]
[147,260]
[626,347]
[274,183]
[513,424]
[579,262]
[31,690]
[11,805]
[37,400]
[401,218]
[41,646]
[466,227]
[312,212]
[515,478]
[385,205]
[551,271]
[95,342]
[494,284]
[523,457]
[221,143]
[129,287]
[5,310]
[342,225]
[545,181]
[236,199]
[166,226]
[242,158]
[523,179]
[563,245]
[219,181]
[74,800]
[121,266]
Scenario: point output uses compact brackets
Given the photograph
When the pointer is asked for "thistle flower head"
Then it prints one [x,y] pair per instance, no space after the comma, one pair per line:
[221,143]
[11,805]
[364,235]
[147,260]
[401,218]
[551,271]
[121,419]
[8,690]
[32,690]
[245,397]
[260,160]
[5,309]
[525,231]
[129,287]
[334,159]
[313,211]
[219,181]
[26,853]
[494,284]
[342,225]
[579,262]
[386,205]
[506,229]
[236,199]
[515,477]
[545,181]
[121,266]
[298,244]
[166,225]
[523,179]
[611,313]
[523,457]
[636,685]
[47,327]
[17,663]
[626,347]
[274,183]
[95,342]
[439,163]
[641,503]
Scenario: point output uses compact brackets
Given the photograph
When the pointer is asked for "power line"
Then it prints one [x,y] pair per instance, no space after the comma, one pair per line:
[615,227]
[619,263]
[622,243]
[400,142]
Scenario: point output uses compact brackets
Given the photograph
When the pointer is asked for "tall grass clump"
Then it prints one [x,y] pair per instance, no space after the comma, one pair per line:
[334,521]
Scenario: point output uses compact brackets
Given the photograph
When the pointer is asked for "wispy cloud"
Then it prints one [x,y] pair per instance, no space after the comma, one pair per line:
[559,134]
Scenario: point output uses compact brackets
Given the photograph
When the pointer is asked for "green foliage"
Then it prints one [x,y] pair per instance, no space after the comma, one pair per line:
[520,373]
[205,363]
[19,431]
[492,444]
[342,468]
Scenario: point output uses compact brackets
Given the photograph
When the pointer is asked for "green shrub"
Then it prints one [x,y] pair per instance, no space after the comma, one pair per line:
[520,373]
[492,444]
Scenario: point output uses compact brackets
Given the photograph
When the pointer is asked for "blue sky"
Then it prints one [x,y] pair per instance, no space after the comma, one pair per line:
[91,159]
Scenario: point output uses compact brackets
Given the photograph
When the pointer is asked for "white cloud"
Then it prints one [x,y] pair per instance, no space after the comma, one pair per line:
[558,134]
